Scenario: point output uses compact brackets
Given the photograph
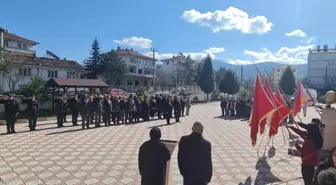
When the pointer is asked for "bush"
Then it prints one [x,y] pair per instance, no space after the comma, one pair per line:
[140,92]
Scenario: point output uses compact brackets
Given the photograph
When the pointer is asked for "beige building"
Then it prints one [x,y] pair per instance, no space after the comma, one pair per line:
[278,72]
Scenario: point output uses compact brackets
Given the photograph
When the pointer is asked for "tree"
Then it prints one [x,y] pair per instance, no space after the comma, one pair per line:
[189,71]
[220,73]
[113,68]
[198,71]
[287,82]
[9,70]
[207,77]
[229,83]
[93,64]
[243,92]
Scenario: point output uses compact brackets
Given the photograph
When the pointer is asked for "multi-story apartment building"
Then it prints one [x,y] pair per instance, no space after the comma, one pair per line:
[322,67]
[20,51]
[140,69]
[172,67]
[279,71]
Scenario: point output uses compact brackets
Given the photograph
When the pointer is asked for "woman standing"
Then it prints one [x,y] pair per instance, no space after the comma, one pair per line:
[330,163]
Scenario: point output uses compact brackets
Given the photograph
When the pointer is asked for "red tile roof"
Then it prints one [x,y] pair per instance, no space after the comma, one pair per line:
[133,53]
[28,60]
[11,36]
[68,82]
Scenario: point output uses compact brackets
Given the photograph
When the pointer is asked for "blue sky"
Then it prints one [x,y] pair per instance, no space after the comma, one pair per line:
[235,31]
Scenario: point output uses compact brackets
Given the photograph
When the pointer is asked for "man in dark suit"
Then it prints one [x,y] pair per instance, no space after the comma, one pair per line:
[153,156]
[194,157]
[12,109]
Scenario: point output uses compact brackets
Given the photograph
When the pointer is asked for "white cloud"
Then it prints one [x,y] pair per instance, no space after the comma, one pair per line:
[231,18]
[296,33]
[214,50]
[138,42]
[309,40]
[194,55]
[297,55]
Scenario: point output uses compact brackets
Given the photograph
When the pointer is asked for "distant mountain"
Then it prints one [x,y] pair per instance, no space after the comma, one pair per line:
[250,70]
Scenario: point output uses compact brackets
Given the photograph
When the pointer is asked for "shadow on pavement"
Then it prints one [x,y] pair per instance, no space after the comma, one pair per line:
[265,176]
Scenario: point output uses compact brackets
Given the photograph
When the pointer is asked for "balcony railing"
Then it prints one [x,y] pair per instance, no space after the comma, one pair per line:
[19,50]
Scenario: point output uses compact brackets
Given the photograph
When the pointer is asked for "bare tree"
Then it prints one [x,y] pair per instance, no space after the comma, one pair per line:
[12,80]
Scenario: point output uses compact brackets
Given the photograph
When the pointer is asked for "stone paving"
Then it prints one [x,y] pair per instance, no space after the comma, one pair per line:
[108,155]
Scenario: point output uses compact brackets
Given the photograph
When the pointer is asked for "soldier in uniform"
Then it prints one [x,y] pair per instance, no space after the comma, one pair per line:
[177,109]
[107,110]
[12,109]
[74,104]
[183,104]
[85,112]
[60,108]
[168,109]
[32,111]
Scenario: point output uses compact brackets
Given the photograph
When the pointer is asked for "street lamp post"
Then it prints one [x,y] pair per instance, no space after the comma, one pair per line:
[154,70]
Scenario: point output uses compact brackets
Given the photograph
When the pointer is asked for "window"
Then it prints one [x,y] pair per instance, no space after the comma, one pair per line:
[129,82]
[25,72]
[6,43]
[147,72]
[144,62]
[25,46]
[132,69]
[139,71]
[52,74]
[22,87]
[68,74]
[19,46]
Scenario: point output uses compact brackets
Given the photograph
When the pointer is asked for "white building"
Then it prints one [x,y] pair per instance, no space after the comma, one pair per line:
[279,71]
[21,53]
[140,68]
[322,67]
[171,68]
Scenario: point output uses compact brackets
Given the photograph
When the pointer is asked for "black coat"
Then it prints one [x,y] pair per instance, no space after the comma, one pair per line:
[32,106]
[153,156]
[194,159]
[11,107]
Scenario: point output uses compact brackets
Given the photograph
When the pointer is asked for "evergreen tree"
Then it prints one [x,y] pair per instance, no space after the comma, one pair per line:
[220,73]
[287,82]
[229,83]
[114,69]
[207,77]
[93,64]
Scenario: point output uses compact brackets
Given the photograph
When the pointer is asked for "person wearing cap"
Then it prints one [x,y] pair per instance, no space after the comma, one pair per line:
[12,109]
[32,111]
[153,157]
[194,157]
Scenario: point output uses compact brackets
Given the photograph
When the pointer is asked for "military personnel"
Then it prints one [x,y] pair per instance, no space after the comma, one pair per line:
[177,109]
[60,108]
[98,111]
[107,110]
[65,111]
[12,109]
[32,111]
[85,112]
[183,104]
[74,104]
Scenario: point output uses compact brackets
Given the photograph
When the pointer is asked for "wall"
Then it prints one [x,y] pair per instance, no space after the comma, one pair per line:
[319,64]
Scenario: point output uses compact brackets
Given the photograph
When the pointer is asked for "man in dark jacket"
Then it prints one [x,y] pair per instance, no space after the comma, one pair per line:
[32,111]
[74,105]
[194,157]
[153,156]
[12,109]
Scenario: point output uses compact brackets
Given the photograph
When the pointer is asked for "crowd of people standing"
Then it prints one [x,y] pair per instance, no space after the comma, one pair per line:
[240,107]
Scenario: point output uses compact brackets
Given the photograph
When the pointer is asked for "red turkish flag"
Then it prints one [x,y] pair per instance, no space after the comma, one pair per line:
[282,112]
[262,107]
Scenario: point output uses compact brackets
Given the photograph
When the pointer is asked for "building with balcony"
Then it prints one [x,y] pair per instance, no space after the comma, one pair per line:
[279,71]
[322,67]
[20,52]
[140,69]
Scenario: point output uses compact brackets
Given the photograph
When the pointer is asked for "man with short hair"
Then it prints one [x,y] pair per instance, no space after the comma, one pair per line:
[12,109]
[194,157]
[153,156]
[327,177]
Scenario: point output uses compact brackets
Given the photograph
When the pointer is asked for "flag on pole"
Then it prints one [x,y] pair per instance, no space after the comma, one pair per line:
[300,98]
[282,112]
[276,104]
[262,107]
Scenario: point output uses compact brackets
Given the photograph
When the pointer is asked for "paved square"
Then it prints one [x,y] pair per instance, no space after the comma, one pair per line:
[109,155]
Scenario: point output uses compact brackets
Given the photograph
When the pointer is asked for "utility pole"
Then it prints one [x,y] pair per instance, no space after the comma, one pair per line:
[154,70]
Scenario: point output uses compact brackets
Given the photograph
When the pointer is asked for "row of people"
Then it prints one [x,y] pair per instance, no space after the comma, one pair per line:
[236,107]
